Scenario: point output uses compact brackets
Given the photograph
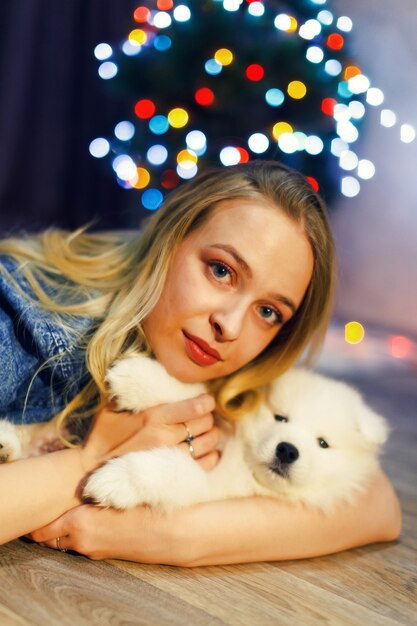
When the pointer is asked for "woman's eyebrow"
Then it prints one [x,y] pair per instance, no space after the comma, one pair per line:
[245,267]
[231,250]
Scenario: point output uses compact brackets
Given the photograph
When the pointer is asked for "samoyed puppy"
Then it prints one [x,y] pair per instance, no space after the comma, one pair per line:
[312,441]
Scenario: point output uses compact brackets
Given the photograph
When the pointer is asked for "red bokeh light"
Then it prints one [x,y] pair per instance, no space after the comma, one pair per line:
[169,179]
[328,105]
[335,41]
[400,347]
[164,5]
[144,109]
[255,72]
[244,155]
[204,96]
[141,14]
[313,182]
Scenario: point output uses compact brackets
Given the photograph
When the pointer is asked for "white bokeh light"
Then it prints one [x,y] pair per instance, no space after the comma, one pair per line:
[187,169]
[359,83]
[288,143]
[374,96]
[366,169]
[157,154]
[315,54]
[124,130]
[313,145]
[338,146]
[256,8]
[348,160]
[162,19]
[357,109]
[333,67]
[341,113]
[344,23]
[310,29]
[131,48]
[282,21]
[103,51]
[388,118]
[232,5]
[325,17]
[229,155]
[107,70]
[99,147]
[258,143]
[124,167]
[407,133]
[196,140]
[182,13]
[347,131]
[350,186]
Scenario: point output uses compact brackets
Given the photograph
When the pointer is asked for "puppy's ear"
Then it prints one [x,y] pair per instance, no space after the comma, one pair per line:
[372,426]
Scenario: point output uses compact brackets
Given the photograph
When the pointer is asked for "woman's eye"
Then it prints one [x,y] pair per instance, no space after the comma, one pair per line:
[272,316]
[280,418]
[220,270]
[323,443]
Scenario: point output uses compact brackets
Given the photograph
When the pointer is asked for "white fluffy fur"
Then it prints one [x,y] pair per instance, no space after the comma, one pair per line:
[316,408]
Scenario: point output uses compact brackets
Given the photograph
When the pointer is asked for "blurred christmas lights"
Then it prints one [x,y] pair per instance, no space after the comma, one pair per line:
[158,24]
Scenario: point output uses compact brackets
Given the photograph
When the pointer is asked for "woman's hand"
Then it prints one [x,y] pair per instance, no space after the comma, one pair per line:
[140,534]
[115,433]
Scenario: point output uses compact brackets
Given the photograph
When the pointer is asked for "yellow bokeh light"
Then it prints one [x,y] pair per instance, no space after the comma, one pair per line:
[280,128]
[138,36]
[354,332]
[141,179]
[293,25]
[178,118]
[296,89]
[223,56]
[186,155]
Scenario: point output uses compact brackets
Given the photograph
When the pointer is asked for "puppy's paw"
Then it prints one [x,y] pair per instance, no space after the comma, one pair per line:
[110,485]
[10,446]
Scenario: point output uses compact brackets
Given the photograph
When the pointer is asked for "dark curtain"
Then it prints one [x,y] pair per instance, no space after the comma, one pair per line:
[52,104]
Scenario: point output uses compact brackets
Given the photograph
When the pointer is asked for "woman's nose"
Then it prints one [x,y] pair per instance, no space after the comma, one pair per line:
[227,326]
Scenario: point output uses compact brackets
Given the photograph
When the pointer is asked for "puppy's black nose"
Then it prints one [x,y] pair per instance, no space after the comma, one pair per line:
[286,452]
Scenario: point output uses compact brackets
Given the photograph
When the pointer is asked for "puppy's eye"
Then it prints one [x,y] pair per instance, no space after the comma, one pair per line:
[323,443]
[280,418]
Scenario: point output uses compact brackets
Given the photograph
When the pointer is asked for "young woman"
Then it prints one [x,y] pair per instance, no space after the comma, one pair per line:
[228,284]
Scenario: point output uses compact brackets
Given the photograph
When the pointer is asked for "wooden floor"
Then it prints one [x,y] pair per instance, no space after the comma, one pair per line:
[376,585]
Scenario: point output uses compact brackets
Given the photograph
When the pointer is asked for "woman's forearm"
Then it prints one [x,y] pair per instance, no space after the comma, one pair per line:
[265,529]
[35,491]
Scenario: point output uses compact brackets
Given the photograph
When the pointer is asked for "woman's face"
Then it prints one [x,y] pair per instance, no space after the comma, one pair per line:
[230,287]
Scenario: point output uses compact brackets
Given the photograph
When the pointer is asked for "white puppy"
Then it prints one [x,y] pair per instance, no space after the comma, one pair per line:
[313,440]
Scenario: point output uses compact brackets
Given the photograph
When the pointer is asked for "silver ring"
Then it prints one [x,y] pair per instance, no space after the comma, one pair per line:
[58,545]
[190,437]
[191,449]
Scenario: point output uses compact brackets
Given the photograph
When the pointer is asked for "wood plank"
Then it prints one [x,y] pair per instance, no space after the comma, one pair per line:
[43,587]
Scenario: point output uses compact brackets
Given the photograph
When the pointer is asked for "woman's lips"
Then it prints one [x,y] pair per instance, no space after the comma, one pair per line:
[199,351]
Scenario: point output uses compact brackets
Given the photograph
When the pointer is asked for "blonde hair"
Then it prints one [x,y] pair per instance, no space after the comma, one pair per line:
[116,279]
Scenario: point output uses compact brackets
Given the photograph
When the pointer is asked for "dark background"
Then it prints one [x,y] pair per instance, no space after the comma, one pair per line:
[52,104]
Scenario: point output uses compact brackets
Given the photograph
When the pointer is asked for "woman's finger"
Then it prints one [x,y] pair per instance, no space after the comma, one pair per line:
[49,533]
[183,411]
[209,461]
[202,445]
[193,428]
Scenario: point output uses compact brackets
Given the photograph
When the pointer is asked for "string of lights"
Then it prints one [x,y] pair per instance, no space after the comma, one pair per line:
[224,81]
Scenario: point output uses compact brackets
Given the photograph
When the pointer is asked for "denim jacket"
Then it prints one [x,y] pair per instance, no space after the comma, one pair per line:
[28,337]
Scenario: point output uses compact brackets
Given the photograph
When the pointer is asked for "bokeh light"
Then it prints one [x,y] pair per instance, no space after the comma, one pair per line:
[354,332]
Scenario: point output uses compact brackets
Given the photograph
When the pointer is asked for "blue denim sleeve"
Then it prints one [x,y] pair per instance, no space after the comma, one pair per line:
[33,388]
